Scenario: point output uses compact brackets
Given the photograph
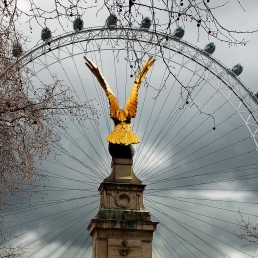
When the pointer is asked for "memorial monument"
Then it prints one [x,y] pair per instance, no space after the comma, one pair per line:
[122,226]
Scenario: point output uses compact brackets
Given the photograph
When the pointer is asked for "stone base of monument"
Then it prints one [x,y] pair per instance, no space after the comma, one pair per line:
[119,238]
[123,226]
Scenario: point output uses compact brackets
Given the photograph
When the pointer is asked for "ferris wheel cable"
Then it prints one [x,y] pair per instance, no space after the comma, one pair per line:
[243,177]
[78,219]
[221,180]
[97,165]
[177,240]
[210,164]
[153,252]
[152,176]
[39,202]
[175,235]
[73,141]
[169,128]
[65,188]
[75,180]
[187,226]
[178,222]
[101,176]
[92,145]
[126,74]
[182,212]
[190,211]
[87,213]
[61,190]
[37,205]
[96,130]
[147,84]
[180,131]
[204,183]
[59,163]
[115,75]
[72,235]
[201,199]
[162,138]
[100,94]
[79,250]
[102,110]
[142,145]
[96,91]
[144,99]
[85,135]
[168,118]
[214,207]
[67,153]
[34,207]
[155,248]
[163,240]
[66,249]
[223,190]
[157,117]
[104,102]
[222,171]
[86,250]
[44,224]
[204,134]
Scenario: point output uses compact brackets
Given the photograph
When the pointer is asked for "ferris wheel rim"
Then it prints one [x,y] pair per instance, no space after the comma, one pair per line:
[234,84]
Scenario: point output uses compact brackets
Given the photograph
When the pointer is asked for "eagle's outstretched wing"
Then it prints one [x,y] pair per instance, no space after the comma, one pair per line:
[113,102]
[132,101]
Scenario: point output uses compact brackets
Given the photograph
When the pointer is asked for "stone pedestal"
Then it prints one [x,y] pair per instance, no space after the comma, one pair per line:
[122,172]
[122,227]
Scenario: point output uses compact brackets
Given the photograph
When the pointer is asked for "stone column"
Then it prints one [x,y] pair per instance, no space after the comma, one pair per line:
[122,227]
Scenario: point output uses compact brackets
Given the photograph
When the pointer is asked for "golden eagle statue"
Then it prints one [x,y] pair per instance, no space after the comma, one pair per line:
[122,133]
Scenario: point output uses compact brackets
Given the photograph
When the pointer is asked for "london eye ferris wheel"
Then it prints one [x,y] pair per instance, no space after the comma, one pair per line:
[197,124]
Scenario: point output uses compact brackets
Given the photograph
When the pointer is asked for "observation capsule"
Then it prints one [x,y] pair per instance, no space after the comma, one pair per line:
[237,69]
[210,48]
[111,21]
[179,32]
[46,34]
[78,23]
[145,23]
[17,49]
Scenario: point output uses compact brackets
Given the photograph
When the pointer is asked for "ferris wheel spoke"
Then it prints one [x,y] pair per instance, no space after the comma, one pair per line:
[187,228]
[170,127]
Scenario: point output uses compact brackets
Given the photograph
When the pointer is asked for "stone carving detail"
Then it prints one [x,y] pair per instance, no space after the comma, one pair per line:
[138,201]
[102,201]
[124,252]
[124,200]
[125,243]
[109,194]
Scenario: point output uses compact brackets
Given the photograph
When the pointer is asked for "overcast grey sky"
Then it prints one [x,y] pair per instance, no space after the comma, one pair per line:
[197,178]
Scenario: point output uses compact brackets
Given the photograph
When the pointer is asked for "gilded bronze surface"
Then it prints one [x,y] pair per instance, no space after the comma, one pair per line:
[122,133]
